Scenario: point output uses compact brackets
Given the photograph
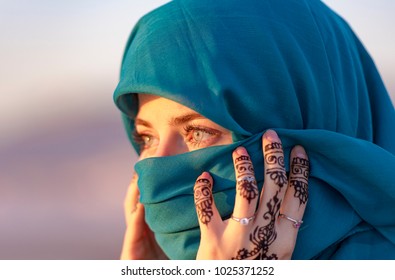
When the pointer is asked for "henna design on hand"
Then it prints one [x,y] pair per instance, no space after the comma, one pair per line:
[299,178]
[248,188]
[272,158]
[274,155]
[246,182]
[244,165]
[278,176]
[203,200]
[263,237]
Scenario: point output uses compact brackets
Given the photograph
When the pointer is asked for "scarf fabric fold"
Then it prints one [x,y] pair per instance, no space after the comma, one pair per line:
[289,65]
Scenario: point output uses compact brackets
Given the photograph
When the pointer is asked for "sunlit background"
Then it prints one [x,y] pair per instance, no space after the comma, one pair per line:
[65,161]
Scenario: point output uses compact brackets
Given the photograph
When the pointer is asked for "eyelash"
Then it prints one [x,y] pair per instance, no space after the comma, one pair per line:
[195,128]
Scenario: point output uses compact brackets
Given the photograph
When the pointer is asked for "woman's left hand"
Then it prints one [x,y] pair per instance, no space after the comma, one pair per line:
[268,231]
[139,241]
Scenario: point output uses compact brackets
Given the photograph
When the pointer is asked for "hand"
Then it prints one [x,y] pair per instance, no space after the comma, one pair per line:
[139,242]
[270,231]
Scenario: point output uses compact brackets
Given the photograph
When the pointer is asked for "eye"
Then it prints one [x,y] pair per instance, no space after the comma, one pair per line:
[199,135]
[145,141]
[196,136]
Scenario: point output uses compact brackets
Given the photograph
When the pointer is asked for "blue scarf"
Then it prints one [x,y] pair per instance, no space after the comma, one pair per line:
[293,66]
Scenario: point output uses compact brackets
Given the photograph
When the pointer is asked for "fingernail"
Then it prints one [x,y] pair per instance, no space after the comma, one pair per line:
[204,175]
[241,151]
[271,135]
[299,151]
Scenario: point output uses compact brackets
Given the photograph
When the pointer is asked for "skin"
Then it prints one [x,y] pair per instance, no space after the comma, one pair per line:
[174,129]
[268,235]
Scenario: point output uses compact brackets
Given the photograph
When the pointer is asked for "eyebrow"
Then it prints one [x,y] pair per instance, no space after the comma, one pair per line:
[175,121]
[142,122]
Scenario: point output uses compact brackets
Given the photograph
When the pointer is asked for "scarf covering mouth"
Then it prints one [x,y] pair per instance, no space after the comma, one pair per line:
[294,66]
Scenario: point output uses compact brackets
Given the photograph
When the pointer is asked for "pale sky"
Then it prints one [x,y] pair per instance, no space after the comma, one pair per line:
[61,59]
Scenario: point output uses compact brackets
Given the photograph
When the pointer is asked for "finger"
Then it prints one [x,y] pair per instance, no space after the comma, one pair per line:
[132,198]
[275,181]
[133,194]
[134,234]
[297,193]
[246,189]
[207,213]
[275,174]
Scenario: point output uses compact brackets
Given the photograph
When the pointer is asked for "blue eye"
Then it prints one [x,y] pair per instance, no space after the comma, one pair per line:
[200,136]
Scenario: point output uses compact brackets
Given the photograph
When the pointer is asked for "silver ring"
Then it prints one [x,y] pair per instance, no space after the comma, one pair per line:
[296,223]
[243,221]
[247,178]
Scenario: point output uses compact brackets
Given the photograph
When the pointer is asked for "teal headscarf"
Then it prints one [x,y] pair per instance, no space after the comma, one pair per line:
[291,65]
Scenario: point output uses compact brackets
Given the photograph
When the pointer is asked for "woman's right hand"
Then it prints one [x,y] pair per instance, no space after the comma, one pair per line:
[139,241]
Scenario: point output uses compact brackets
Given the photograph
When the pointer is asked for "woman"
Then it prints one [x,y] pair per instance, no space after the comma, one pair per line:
[240,71]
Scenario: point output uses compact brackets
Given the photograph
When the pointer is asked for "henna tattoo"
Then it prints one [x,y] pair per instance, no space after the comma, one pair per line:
[244,165]
[274,156]
[247,188]
[299,178]
[301,191]
[246,182]
[278,176]
[301,166]
[273,146]
[263,237]
[203,200]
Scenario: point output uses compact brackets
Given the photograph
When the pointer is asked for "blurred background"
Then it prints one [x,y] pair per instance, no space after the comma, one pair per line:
[65,161]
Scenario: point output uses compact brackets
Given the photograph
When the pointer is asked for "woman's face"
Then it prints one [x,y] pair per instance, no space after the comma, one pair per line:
[165,128]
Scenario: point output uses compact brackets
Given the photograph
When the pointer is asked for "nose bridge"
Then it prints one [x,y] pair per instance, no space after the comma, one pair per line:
[170,144]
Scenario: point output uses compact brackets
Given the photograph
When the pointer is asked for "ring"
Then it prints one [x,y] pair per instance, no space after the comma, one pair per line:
[246,178]
[296,223]
[243,221]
